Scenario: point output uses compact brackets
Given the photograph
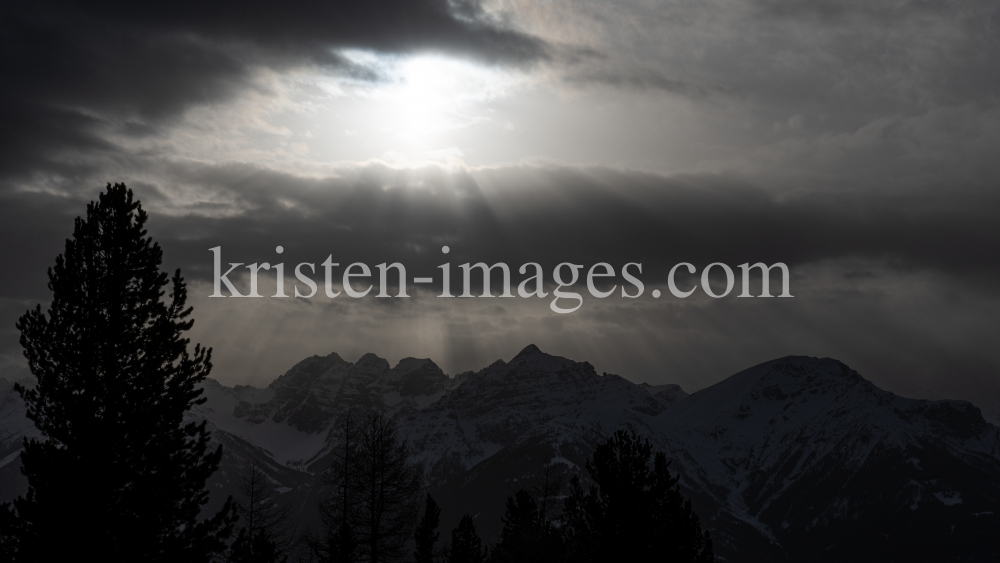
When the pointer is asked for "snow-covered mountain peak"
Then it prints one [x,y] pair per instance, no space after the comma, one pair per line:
[777,384]
[316,391]
[416,377]
[334,358]
[310,369]
[788,441]
[796,372]
[534,398]
[528,350]
[670,392]
[372,362]
[790,454]
[406,365]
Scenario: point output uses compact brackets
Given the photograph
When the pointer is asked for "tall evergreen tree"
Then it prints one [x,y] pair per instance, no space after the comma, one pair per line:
[466,547]
[521,535]
[117,475]
[427,534]
[526,536]
[634,512]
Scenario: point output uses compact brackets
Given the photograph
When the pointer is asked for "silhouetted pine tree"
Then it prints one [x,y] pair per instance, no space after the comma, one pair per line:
[526,536]
[521,535]
[117,475]
[427,532]
[466,547]
[634,512]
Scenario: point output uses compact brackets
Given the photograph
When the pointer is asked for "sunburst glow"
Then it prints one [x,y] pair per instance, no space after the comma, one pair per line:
[424,106]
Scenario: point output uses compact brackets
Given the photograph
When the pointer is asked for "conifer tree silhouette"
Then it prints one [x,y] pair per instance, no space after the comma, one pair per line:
[466,547]
[634,512]
[427,532]
[521,535]
[117,475]
[526,536]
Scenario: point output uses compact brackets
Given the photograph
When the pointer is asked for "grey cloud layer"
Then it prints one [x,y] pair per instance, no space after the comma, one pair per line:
[861,56]
[836,88]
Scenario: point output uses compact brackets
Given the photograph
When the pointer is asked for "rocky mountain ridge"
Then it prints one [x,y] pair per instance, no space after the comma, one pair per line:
[782,460]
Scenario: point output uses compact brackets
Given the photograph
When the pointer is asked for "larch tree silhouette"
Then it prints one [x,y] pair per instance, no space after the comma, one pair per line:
[389,490]
[266,534]
[371,512]
[339,510]
[118,475]
[634,512]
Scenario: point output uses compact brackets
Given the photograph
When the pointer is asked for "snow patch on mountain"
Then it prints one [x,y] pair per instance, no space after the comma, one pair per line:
[533,396]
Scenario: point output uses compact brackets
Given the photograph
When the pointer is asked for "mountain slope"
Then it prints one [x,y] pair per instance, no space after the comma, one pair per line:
[807,453]
[797,459]
[502,425]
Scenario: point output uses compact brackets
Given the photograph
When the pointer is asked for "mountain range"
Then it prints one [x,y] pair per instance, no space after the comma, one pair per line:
[796,459]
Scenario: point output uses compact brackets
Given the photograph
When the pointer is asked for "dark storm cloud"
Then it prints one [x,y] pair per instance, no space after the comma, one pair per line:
[75,71]
[374,213]
[32,228]
[899,285]
[558,214]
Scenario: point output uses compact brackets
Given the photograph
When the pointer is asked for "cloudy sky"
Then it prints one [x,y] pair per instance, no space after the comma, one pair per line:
[854,141]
